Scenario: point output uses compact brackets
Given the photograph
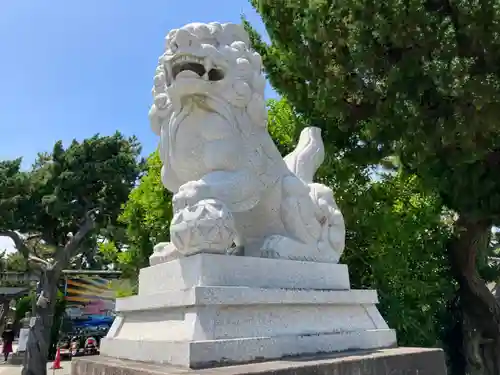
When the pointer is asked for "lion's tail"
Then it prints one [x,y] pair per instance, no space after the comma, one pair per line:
[305,160]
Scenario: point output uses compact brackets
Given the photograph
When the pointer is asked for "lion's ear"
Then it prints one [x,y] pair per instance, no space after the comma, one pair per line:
[154,120]
[158,114]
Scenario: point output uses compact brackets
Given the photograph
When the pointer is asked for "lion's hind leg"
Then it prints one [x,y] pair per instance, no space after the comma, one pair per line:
[281,247]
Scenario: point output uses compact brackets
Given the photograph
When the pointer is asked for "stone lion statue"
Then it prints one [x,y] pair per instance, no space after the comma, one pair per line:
[233,191]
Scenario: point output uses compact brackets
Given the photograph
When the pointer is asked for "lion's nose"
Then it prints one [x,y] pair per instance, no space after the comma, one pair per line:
[184,39]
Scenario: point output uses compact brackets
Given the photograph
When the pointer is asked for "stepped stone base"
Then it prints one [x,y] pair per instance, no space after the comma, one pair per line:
[17,358]
[208,310]
[400,361]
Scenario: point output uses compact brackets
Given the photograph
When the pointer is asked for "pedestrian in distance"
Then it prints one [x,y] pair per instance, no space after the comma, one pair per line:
[7,340]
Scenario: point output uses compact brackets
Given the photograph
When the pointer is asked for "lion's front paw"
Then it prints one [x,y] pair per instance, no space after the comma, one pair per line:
[190,194]
[164,252]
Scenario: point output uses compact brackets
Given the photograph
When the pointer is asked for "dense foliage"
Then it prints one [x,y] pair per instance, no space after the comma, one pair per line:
[395,238]
[147,216]
[54,212]
[416,79]
[12,262]
[53,198]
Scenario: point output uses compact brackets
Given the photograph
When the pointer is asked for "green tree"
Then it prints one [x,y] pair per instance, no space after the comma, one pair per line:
[394,237]
[147,216]
[415,79]
[395,246]
[64,196]
[13,262]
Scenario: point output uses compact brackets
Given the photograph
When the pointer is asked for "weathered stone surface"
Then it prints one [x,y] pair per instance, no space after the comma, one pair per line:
[245,297]
[224,270]
[201,325]
[400,361]
[207,353]
[191,323]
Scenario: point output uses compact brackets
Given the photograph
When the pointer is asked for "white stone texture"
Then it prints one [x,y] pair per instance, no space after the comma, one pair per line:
[230,182]
[206,225]
[222,270]
[201,354]
[221,309]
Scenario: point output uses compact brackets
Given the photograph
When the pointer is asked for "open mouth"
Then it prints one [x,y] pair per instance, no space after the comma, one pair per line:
[186,66]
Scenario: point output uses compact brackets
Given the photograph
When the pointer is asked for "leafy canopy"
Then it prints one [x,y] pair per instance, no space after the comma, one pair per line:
[418,78]
[52,198]
[146,215]
[394,238]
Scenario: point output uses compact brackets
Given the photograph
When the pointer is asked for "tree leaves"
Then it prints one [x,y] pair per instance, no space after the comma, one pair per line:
[147,215]
[417,79]
[54,198]
[395,237]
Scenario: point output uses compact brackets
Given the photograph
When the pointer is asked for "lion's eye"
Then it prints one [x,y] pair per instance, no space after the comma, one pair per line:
[215,75]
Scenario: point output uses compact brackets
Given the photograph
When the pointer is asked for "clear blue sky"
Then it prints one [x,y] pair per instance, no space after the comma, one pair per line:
[71,69]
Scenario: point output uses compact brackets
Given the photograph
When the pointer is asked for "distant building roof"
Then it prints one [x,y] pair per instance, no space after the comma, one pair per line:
[14,291]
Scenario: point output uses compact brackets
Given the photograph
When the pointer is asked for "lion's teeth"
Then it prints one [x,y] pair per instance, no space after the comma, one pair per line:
[193,59]
[208,65]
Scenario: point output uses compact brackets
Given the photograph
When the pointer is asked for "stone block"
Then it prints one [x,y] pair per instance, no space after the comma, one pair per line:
[394,361]
[17,358]
[225,270]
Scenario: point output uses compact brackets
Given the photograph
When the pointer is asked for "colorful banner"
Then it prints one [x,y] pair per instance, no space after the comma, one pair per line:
[91,294]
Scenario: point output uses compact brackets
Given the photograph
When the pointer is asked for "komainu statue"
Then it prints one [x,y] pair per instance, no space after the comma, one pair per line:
[233,191]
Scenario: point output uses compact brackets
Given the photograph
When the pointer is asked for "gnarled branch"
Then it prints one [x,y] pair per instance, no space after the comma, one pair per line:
[64,254]
[38,260]
[38,237]
[18,242]
[21,246]
[34,236]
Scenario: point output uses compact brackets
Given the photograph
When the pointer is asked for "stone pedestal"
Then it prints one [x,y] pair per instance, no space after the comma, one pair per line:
[398,361]
[210,310]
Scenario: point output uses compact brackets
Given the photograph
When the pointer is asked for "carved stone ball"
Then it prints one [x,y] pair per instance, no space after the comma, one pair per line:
[207,226]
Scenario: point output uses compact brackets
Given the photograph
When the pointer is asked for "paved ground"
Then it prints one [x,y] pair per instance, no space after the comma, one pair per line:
[8,369]
[16,370]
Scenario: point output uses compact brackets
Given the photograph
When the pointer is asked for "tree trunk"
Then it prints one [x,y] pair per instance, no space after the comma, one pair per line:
[478,303]
[37,347]
[472,348]
[490,358]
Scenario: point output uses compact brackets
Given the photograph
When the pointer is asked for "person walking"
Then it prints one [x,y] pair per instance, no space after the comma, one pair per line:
[7,340]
